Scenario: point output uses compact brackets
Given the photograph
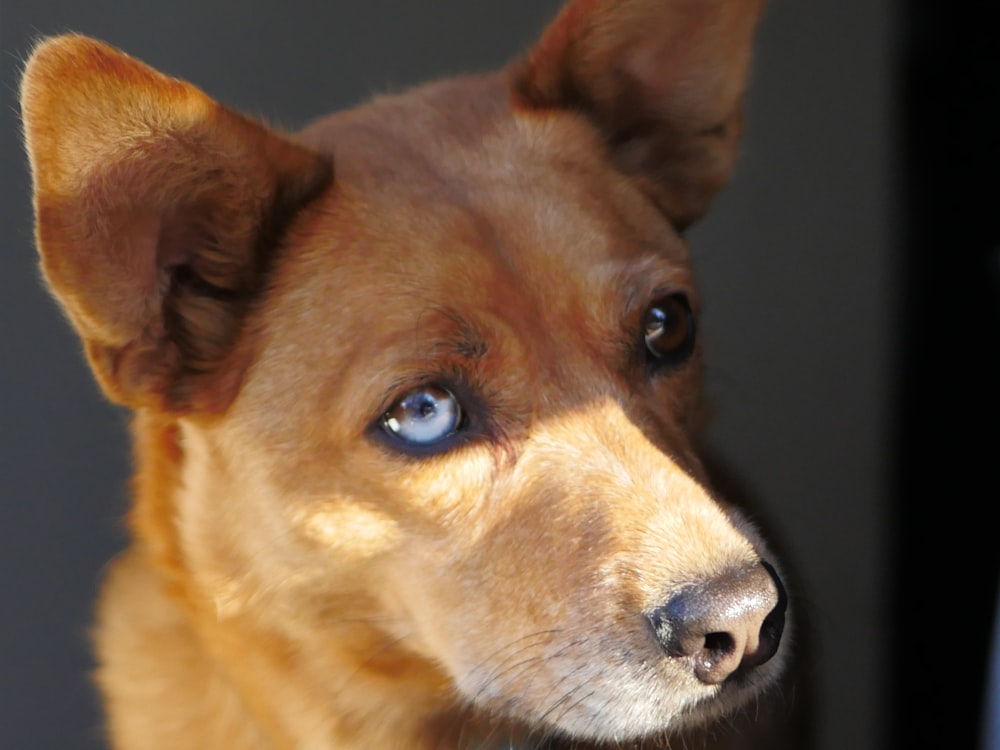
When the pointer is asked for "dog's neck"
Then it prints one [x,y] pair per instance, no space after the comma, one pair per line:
[167,630]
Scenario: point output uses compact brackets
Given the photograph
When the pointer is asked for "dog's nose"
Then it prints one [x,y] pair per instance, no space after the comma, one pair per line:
[730,623]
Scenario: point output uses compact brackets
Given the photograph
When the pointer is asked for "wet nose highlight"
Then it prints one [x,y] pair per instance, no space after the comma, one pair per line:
[728,624]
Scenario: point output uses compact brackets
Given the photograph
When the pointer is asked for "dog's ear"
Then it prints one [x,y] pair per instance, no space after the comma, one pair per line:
[157,212]
[662,80]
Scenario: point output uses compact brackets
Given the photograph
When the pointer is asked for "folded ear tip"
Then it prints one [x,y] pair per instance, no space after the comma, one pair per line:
[58,77]
[73,69]
[81,99]
[61,58]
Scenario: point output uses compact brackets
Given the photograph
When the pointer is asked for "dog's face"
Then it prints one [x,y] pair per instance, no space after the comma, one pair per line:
[482,401]
[448,389]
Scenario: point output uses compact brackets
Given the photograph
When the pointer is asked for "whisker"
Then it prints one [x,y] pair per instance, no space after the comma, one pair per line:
[500,669]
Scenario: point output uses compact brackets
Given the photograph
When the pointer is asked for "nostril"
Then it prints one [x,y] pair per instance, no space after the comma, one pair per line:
[721,643]
[713,662]
[729,623]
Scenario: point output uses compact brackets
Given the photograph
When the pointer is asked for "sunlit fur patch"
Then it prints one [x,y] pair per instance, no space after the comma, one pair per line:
[348,529]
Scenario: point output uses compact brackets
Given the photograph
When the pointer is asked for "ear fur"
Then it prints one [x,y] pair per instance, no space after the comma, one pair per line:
[663,81]
[157,213]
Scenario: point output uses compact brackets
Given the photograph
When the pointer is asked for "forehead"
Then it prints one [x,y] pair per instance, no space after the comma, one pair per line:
[446,187]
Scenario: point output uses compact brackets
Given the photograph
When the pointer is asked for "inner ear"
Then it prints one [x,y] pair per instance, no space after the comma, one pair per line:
[662,80]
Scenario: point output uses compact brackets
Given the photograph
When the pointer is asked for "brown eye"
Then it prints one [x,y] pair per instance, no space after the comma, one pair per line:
[668,330]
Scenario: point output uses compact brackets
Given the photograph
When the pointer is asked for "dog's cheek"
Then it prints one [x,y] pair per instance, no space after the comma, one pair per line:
[524,614]
[348,532]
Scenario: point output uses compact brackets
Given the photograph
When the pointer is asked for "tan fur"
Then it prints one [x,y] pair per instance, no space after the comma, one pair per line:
[260,301]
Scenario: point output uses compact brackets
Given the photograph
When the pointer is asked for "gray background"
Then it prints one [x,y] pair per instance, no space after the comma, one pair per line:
[796,262]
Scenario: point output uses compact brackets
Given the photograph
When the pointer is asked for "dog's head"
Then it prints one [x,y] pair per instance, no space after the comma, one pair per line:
[432,365]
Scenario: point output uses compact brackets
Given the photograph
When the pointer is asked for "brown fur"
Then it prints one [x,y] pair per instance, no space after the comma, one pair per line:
[296,580]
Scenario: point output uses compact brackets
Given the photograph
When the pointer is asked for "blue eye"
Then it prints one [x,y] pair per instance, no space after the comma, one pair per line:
[424,417]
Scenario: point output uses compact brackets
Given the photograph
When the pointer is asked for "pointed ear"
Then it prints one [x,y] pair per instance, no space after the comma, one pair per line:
[157,213]
[663,81]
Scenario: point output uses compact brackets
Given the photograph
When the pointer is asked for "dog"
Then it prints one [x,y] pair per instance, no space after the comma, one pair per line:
[416,398]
